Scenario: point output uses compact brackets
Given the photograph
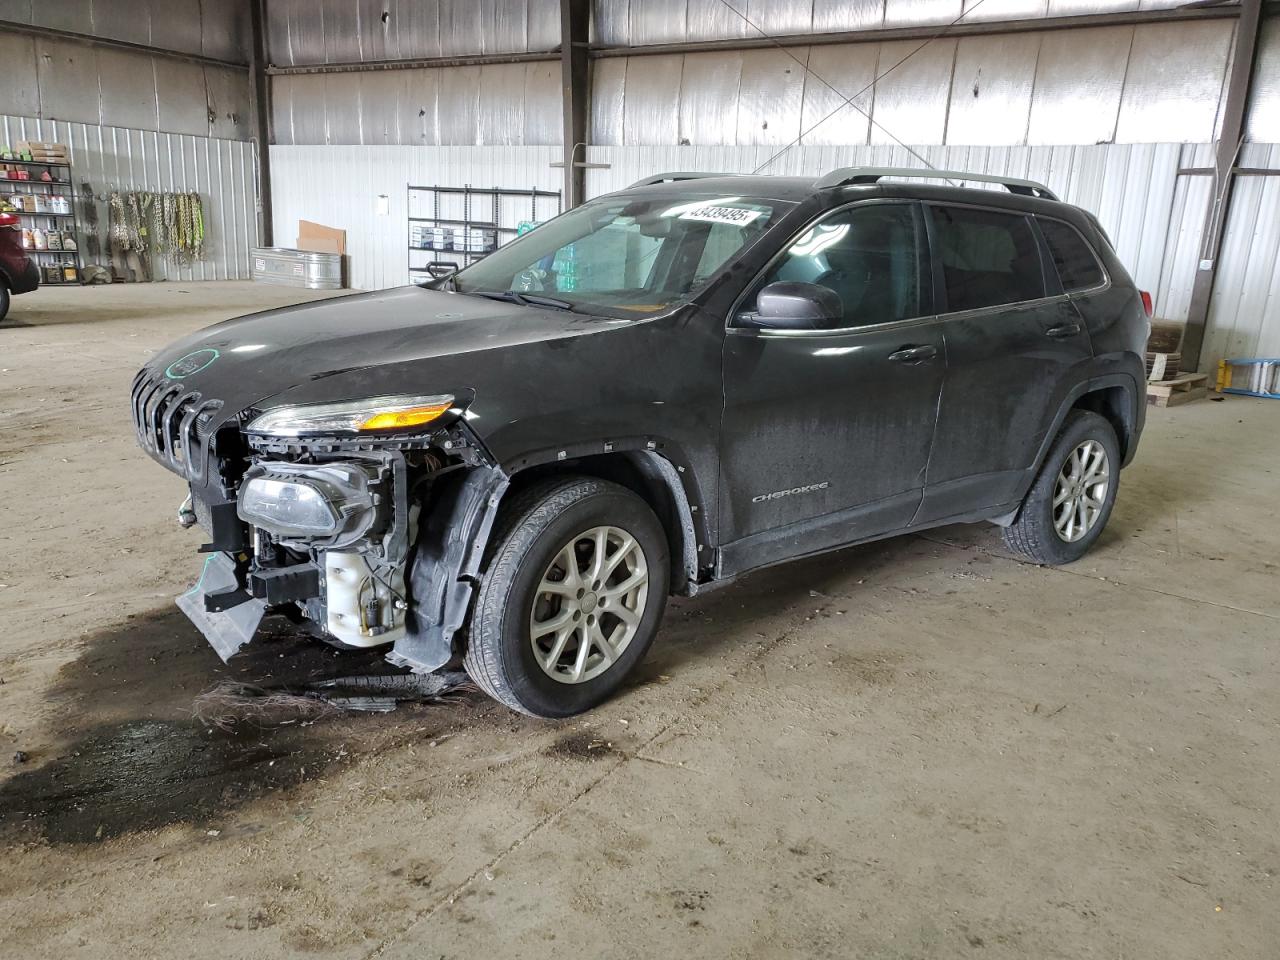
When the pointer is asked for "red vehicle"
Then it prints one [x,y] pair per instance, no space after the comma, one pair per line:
[17,273]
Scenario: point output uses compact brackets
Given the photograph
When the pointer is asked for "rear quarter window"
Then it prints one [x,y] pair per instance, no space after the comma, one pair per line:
[1075,260]
[987,258]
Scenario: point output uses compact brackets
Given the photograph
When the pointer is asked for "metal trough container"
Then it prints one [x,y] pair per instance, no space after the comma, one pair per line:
[309,269]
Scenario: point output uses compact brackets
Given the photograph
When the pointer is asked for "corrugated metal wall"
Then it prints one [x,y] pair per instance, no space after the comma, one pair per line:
[1146,84]
[1121,84]
[1244,315]
[107,158]
[211,28]
[340,186]
[516,104]
[66,80]
[356,31]
[636,22]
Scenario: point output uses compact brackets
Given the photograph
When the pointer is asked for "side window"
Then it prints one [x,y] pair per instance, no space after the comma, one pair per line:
[869,254]
[987,258]
[1075,260]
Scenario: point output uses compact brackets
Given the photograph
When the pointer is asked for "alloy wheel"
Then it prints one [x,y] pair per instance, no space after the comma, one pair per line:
[588,604]
[1081,491]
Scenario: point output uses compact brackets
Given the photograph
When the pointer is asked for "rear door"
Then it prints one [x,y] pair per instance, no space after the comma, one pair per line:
[1013,340]
[827,432]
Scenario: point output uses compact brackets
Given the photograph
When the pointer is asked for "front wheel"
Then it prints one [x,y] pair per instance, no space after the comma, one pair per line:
[571,598]
[1071,499]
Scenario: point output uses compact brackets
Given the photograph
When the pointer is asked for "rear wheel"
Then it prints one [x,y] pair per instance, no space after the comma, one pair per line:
[1070,502]
[571,597]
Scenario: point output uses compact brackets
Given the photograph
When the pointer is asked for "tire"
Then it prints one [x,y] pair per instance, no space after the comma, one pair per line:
[1038,533]
[4,301]
[538,534]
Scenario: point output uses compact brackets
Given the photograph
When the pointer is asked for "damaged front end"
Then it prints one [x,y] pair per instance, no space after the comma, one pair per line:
[364,521]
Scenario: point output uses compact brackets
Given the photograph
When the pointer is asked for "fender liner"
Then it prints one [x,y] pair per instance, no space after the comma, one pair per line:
[442,572]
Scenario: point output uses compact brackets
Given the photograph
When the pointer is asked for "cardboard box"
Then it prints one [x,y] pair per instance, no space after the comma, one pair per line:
[322,239]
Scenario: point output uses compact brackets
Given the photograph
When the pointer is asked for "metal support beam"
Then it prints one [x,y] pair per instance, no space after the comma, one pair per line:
[1224,173]
[419,63]
[575,83]
[260,115]
[33,30]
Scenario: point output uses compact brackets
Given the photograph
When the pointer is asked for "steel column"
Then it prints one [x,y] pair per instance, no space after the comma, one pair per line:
[1224,173]
[575,82]
[260,116]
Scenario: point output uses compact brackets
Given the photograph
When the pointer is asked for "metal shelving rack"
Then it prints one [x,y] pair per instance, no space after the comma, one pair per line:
[482,209]
[61,174]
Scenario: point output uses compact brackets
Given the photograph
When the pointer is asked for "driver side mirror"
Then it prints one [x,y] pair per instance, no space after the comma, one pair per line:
[788,305]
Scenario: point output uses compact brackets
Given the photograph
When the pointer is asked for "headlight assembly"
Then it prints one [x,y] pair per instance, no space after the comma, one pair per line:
[352,417]
[330,501]
[288,506]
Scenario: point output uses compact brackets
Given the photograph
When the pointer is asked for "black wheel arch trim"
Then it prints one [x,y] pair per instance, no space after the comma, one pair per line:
[663,463]
[1133,421]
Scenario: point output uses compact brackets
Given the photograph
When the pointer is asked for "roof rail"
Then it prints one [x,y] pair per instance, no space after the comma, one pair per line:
[853,176]
[674,177]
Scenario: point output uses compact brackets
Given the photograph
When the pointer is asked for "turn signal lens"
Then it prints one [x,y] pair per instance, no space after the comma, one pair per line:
[399,419]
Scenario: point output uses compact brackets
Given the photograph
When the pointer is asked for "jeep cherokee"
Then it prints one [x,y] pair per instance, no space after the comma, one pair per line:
[513,466]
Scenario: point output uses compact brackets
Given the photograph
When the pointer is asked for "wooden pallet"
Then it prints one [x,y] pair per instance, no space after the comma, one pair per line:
[1183,388]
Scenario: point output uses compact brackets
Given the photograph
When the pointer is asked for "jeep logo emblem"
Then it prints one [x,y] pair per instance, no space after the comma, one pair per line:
[191,363]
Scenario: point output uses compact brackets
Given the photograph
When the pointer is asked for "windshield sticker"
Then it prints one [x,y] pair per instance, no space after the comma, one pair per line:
[713,214]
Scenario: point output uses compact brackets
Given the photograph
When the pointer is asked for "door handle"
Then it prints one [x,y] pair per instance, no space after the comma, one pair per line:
[1062,331]
[914,354]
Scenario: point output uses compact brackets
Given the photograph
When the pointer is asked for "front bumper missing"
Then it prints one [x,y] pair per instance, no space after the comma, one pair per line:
[227,630]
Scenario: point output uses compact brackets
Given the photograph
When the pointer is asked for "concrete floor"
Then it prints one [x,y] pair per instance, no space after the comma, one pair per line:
[919,748]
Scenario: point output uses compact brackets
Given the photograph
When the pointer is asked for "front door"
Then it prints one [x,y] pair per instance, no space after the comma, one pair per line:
[827,432]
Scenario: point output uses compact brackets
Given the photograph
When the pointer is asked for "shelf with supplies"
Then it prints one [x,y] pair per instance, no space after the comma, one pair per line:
[35,163]
[50,236]
[461,225]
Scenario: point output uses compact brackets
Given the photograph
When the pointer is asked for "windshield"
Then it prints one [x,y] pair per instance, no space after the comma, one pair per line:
[624,257]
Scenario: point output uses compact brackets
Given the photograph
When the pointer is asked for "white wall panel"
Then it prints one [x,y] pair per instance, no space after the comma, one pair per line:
[849,72]
[339,186]
[108,158]
[991,89]
[709,98]
[1263,120]
[770,96]
[911,99]
[1174,82]
[1079,80]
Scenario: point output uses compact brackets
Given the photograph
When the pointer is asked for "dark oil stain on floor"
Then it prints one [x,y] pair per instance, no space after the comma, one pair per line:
[146,774]
[133,758]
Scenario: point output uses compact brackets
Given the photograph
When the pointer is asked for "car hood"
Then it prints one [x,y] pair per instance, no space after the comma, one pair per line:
[407,339]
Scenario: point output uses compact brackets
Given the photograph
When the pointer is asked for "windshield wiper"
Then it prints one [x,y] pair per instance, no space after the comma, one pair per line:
[524,299]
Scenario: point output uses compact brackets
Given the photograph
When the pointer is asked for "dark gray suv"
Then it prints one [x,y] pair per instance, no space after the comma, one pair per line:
[512,467]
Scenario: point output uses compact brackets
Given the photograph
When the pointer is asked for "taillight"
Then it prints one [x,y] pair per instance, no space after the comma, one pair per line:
[8,220]
[1147,304]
